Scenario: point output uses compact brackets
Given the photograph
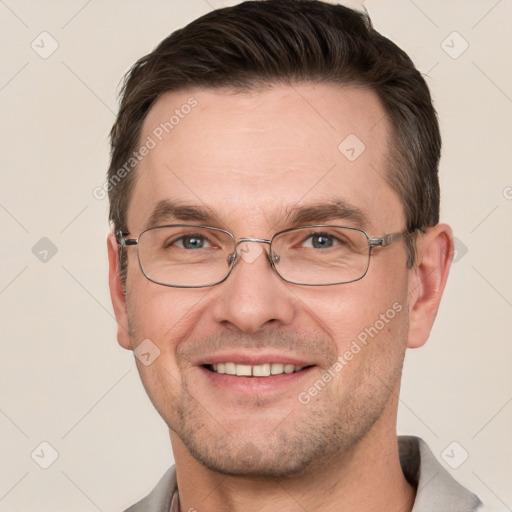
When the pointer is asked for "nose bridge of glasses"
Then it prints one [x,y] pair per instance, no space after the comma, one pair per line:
[247,251]
[251,239]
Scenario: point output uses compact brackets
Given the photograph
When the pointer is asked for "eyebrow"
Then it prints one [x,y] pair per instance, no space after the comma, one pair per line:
[328,211]
[167,210]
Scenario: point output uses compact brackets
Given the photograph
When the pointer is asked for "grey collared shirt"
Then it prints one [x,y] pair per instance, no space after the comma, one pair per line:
[436,489]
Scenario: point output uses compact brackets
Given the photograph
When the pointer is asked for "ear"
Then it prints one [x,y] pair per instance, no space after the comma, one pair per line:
[427,281]
[117,293]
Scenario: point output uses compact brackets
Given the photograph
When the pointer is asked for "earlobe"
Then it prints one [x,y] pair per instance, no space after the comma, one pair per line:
[117,294]
[427,281]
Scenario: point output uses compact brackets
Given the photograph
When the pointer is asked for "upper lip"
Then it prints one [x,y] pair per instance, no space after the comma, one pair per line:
[252,359]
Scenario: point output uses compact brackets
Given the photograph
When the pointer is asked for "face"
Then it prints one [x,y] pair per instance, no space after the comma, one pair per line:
[246,162]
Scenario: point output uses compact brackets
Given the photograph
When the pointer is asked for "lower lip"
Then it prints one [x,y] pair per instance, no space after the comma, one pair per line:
[254,385]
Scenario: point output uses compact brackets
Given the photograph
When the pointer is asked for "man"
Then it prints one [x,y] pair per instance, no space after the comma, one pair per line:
[276,248]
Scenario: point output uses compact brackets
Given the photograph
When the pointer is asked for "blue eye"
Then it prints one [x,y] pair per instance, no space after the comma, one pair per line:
[190,242]
[320,241]
[193,242]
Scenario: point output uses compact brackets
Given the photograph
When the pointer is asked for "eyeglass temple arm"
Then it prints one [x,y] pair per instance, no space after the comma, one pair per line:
[389,239]
[122,240]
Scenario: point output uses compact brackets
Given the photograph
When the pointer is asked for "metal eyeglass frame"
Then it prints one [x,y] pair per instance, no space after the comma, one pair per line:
[383,241]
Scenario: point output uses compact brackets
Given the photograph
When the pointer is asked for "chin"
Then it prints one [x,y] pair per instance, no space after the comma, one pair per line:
[282,454]
[248,460]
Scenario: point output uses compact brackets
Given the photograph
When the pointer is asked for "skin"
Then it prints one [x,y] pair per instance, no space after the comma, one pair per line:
[247,157]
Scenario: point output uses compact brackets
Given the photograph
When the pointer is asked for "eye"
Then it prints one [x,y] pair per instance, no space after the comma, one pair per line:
[321,241]
[192,241]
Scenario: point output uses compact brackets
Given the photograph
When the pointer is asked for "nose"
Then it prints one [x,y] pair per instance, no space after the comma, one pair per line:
[253,296]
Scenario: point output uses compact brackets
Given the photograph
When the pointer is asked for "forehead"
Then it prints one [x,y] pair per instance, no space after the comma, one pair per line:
[248,158]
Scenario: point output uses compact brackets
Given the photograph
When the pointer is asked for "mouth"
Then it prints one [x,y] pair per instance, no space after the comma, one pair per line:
[259,370]
[253,373]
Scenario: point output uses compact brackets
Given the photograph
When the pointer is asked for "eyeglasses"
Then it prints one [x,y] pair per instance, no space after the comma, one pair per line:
[189,256]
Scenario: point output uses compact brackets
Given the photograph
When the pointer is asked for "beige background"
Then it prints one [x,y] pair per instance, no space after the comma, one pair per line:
[65,380]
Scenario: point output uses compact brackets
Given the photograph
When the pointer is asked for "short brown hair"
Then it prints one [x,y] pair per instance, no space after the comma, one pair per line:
[257,43]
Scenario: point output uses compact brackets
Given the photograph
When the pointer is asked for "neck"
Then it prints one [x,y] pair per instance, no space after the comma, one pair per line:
[367,478]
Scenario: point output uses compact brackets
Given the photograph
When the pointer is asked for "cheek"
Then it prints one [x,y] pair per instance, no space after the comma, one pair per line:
[356,310]
[164,315]
[371,352]
[160,319]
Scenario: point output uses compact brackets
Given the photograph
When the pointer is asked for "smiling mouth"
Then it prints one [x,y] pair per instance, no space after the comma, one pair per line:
[260,370]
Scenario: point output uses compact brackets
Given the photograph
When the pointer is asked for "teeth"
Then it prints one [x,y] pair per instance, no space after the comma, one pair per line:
[276,368]
[260,370]
[243,370]
[230,368]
